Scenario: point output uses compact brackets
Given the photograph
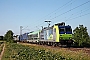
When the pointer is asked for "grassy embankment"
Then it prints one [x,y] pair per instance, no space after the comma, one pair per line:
[15,51]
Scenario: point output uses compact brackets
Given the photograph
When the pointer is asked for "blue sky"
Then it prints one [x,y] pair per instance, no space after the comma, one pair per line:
[33,13]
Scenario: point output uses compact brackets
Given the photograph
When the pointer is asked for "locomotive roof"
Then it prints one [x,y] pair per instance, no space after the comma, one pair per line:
[61,24]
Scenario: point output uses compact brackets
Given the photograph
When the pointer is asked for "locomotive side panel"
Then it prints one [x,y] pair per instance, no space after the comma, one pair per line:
[56,33]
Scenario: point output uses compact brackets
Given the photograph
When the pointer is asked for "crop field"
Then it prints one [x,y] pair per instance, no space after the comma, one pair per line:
[21,51]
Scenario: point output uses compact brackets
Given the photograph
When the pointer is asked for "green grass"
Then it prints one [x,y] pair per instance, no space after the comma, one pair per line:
[75,55]
[15,51]
[22,52]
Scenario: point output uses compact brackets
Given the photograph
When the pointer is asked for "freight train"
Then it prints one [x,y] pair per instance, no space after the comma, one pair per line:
[58,34]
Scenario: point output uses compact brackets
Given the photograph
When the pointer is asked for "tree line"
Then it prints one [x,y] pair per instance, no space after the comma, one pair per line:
[80,36]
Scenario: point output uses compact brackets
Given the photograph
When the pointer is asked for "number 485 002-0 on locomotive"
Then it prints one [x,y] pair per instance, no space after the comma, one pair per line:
[58,34]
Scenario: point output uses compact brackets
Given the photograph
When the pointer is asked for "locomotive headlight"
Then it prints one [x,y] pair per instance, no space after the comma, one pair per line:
[60,37]
[70,38]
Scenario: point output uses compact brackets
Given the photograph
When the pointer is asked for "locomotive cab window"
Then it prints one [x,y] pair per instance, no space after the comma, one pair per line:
[68,30]
[62,30]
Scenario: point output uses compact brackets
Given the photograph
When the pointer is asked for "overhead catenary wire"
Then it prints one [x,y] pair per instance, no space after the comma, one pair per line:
[78,16]
[36,27]
[56,9]
[78,13]
[67,11]
[70,3]
[71,10]
[61,8]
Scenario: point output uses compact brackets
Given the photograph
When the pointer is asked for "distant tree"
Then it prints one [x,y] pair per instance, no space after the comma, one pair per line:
[1,37]
[80,35]
[9,36]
